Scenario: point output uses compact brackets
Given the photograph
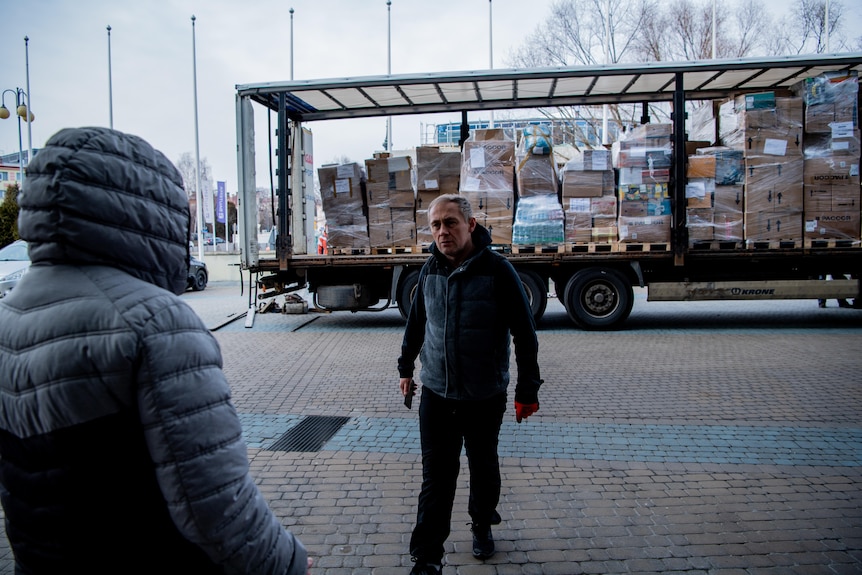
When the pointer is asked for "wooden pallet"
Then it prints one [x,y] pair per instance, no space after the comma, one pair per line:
[538,249]
[833,243]
[592,247]
[715,245]
[348,251]
[644,247]
[396,250]
[773,245]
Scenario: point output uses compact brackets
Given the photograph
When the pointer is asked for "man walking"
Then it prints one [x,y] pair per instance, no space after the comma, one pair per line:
[469,304]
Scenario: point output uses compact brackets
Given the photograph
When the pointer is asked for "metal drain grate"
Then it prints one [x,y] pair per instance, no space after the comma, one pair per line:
[310,434]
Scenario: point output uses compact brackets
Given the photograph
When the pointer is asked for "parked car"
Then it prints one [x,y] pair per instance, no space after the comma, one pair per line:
[198,274]
[14,261]
[209,241]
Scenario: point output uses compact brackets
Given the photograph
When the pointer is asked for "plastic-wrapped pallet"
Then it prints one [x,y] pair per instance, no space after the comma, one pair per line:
[538,221]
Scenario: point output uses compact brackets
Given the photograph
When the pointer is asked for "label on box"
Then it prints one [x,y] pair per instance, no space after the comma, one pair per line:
[431,184]
[579,205]
[600,162]
[842,129]
[342,185]
[775,147]
[477,158]
[344,171]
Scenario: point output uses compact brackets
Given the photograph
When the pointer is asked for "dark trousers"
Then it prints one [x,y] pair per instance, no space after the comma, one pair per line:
[445,426]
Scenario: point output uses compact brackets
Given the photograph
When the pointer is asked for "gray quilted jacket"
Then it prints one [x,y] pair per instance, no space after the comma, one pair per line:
[120,450]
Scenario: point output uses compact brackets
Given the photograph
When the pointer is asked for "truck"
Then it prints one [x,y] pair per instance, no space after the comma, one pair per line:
[594,281]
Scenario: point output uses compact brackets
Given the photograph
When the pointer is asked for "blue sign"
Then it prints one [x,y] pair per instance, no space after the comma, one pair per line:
[221,203]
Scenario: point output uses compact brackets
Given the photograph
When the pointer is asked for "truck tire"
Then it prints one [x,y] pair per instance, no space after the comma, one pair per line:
[598,299]
[406,291]
[537,293]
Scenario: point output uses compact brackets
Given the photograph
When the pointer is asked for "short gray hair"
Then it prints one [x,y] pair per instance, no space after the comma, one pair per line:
[463,205]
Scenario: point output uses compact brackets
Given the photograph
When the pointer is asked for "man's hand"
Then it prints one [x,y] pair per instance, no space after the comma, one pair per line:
[525,410]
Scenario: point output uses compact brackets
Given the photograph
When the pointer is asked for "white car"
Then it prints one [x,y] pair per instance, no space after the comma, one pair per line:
[14,261]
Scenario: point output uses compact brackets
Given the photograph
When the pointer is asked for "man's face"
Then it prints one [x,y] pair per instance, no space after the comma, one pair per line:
[452,234]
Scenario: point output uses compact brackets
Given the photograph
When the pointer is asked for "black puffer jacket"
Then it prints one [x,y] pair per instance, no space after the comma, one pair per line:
[120,451]
[462,320]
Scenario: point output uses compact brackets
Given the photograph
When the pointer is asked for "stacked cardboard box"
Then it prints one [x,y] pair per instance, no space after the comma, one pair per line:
[538,213]
[341,194]
[643,159]
[831,168]
[588,198]
[391,202]
[714,206]
[437,173]
[768,131]
[487,181]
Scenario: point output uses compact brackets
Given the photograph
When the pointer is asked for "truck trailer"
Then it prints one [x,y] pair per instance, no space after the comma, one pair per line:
[593,277]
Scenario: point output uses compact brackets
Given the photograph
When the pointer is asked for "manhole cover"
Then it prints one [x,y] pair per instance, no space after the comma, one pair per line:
[310,434]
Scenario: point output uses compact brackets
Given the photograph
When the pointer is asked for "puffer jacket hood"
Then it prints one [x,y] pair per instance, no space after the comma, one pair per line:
[95,196]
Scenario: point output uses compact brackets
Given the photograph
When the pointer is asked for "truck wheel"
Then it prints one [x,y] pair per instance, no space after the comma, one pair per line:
[598,298]
[406,291]
[537,293]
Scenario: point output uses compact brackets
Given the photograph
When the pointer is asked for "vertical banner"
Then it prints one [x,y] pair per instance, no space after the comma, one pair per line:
[208,206]
[221,203]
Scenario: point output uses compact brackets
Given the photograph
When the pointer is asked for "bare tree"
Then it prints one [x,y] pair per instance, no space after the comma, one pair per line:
[186,167]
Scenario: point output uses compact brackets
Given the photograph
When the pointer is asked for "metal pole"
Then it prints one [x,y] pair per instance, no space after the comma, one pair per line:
[714,29]
[199,195]
[291,44]
[491,47]
[110,85]
[29,112]
[18,100]
[605,110]
[389,68]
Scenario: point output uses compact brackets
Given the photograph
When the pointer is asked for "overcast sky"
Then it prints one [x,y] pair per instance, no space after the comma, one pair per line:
[238,43]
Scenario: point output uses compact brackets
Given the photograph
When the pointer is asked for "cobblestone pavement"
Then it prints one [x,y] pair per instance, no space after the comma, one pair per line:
[704,437]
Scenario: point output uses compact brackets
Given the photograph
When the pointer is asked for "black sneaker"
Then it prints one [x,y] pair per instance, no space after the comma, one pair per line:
[422,568]
[483,541]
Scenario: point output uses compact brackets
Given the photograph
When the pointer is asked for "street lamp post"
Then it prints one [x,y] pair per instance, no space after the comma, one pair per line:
[29,114]
[199,195]
[110,85]
[491,47]
[389,68]
[22,110]
[291,44]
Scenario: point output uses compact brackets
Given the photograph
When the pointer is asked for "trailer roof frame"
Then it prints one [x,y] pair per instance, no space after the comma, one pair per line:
[392,95]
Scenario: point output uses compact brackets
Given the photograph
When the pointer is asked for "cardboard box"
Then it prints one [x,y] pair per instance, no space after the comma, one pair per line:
[536,175]
[700,224]
[633,208]
[437,169]
[831,170]
[584,184]
[772,141]
[841,141]
[648,229]
[699,192]
[772,226]
[604,234]
[700,167]
[643,192]
[833,225]
[644,158]
[769,172]
[828,198]
[604,206]
[727,226]
[395,173]
[638,176]
[729,199]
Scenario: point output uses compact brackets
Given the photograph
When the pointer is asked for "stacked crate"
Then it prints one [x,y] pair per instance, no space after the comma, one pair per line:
[831,159]
[391,202]
[643,159]
[437,173]
[538,215]
[588,198]
[341,195]
[714,195]
[768,131]
[487,181]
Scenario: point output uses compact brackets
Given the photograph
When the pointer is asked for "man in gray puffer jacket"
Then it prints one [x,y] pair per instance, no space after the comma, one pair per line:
[120,450]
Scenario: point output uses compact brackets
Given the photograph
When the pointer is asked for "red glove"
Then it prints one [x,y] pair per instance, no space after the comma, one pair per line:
[525,410]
